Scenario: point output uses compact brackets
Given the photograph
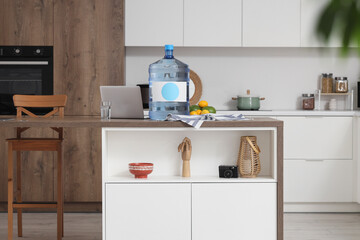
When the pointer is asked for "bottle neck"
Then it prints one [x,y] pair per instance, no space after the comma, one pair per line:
[169,54]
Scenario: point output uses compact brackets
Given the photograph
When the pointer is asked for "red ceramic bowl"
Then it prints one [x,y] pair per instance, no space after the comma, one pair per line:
[141,170]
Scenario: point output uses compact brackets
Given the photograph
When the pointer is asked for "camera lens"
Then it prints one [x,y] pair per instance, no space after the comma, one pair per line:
[228,174]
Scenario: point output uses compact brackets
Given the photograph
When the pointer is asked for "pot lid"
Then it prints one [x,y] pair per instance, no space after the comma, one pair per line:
[248,94]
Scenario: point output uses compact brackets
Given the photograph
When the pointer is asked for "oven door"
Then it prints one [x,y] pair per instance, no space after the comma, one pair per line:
[29,77]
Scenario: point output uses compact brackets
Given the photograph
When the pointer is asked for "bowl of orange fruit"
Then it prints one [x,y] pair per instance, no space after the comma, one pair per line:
[201,108]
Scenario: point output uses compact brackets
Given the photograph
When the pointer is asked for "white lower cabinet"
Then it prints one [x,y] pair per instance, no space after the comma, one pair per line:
[234,211]
[357,167]
[191,211]
[318,181]
[148,211]
[318,154]
[321,138]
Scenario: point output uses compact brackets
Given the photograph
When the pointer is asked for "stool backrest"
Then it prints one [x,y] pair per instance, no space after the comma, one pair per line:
[57,102]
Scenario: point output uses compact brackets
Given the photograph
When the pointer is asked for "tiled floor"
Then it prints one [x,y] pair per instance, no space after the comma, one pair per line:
[42,226]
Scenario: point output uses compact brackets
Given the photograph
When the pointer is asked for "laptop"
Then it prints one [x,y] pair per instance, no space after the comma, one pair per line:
[126,102]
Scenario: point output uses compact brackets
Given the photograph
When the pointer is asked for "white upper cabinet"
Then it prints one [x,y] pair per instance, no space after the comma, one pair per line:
[310,13]
[271,23]
[224,23]
[153,22]
[212,23]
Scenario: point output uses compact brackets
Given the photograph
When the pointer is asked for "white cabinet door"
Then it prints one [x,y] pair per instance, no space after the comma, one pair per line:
[318,181]
[234,211]
[153,22]
[357,169]
[310,12]
[212,22]
[148,211]
[271,23]
[321,138]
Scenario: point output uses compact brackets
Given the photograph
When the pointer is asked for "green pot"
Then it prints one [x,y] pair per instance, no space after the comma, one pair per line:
[248,103]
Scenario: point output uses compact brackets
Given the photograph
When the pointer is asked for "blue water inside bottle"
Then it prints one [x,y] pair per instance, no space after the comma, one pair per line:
[168,86]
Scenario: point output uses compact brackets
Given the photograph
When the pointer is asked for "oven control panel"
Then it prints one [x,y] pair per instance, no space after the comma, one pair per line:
[26,51]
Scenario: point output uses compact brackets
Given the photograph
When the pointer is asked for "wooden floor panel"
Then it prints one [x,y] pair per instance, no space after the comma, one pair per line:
[87,226]
[299,226]
[42,226]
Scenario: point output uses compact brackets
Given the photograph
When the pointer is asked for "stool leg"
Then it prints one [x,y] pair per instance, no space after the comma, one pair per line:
[59,195]
[63,196]
[63,193]
[10,191]
[18,191]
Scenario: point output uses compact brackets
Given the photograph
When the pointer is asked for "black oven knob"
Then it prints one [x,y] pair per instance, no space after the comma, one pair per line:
[17,51]
[39,52]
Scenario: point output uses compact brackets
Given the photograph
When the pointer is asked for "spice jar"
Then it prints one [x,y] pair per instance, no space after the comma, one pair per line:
[327,83]
[308,101]
[341,85]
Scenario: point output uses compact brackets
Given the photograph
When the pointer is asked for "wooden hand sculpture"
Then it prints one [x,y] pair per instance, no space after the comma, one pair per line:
[185,148]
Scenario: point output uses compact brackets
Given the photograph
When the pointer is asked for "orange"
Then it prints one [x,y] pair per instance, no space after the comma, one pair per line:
[198,112]
[205,112]
[194,113]
[203,103]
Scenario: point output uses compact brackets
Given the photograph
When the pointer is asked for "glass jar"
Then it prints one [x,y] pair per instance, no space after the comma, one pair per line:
[341,85]
[308,101]
[327,83]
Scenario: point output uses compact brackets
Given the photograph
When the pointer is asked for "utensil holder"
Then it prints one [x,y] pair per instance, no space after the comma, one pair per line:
[249,158]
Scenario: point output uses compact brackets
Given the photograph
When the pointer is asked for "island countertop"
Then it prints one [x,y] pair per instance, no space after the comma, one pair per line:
[96,122]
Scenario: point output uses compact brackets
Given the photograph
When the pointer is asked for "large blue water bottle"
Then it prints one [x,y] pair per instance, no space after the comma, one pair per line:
[168,86]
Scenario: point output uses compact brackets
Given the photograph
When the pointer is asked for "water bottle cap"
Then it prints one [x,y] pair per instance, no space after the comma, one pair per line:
[169,47]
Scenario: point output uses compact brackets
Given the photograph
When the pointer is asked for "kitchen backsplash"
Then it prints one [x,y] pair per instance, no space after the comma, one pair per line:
[280,75]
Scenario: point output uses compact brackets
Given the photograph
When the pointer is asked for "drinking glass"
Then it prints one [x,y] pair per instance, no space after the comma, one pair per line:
[105,110]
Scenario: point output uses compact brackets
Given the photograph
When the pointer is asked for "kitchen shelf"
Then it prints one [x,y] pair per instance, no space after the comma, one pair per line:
[349,95]
[196,179]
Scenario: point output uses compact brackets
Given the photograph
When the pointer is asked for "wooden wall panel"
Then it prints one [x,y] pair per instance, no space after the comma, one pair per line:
[27,22]
[89,52]
[88,39]
[4,134]
[2,28]
[37,168]
[82,157]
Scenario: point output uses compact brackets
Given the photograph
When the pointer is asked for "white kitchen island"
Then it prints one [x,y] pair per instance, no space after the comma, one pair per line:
[166,206]
[204,206]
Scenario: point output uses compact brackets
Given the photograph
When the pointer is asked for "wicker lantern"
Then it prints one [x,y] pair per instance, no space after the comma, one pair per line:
[249,159]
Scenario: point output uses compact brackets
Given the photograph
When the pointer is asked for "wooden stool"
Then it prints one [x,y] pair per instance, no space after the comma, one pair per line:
[18,144]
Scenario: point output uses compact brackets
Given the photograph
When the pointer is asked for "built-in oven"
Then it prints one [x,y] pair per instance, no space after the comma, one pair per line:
[24,70]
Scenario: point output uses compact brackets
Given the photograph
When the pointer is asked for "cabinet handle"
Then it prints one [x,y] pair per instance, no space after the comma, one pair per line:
[314,160]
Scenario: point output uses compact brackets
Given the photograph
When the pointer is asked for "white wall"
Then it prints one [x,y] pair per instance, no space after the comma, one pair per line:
[280,75]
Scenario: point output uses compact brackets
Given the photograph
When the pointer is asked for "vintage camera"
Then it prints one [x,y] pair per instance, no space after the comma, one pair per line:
[228,171]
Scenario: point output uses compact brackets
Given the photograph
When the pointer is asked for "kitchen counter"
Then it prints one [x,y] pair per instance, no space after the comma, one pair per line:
[95,121]
[293,113]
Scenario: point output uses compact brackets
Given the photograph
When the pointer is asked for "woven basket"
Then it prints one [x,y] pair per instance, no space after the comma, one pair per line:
[249,159]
